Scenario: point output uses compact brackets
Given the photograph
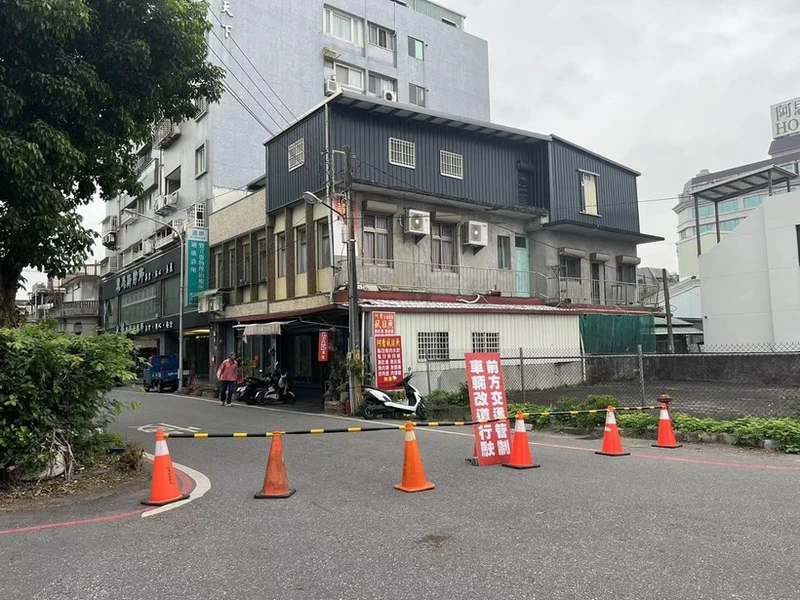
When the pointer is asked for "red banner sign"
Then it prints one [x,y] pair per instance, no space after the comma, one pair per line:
[487,400]
[322,350]
[388,361]
[382,323]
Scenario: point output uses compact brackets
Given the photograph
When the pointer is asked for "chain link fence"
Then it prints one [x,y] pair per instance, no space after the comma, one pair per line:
[719,382]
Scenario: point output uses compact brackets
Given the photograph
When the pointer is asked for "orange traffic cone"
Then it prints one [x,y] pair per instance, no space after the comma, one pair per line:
[413,472]
[612,444]
[520,449]
[666,437]
[276,483]
[164,486]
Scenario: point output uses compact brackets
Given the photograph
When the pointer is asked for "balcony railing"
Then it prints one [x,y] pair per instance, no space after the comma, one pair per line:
[109,265]
[594,291]
[148,175]
[80,308]
[412,276]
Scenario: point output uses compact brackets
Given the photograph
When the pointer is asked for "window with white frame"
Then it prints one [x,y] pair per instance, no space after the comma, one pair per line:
[200,161]
[443,243]
[589,192]
[348,76]
[343,26]
[451,164]
[301,244]
[416,48]
[483,341]
[381,37]
[280,254]
[503,252]
[377,246]
[202,107]
[262,259]
[433,345]
[297,154]
[378,84]
[402,153]
[323,244]
[416,95]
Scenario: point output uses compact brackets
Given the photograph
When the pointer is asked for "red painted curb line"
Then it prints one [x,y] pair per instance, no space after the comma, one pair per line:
[186,483]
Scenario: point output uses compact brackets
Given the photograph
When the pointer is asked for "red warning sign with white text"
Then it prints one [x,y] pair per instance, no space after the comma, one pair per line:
[487,400]
[388,361]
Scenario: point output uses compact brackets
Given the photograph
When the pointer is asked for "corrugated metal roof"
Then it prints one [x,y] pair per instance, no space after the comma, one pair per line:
[746,183]
[423,305]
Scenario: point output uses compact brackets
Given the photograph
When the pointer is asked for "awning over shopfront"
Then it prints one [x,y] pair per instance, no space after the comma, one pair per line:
[262,328]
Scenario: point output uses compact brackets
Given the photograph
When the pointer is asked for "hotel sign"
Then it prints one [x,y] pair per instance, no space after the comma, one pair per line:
[785,118]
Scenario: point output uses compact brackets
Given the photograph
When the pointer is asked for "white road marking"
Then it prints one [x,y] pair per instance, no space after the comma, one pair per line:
[201,485]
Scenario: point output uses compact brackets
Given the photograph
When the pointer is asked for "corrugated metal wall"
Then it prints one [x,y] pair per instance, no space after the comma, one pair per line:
[490,165]
[550,341]
[285,186]
[617,196]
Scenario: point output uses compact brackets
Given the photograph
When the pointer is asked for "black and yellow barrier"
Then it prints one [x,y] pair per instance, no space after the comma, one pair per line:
[268,434]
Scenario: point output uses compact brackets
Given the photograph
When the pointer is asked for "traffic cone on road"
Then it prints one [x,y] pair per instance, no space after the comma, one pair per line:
[612,443]
[276,482]
[164,485]
[666,437]
[520,449]
[413,472]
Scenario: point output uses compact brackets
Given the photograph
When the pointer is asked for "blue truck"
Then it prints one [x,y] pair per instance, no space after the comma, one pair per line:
[161,373]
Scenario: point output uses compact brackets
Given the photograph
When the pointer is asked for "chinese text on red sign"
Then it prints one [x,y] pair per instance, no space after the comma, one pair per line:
[487,400]
[388,361]
[382,323]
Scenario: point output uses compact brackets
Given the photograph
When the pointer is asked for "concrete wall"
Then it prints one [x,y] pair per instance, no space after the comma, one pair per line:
[750,280]
[242,215]
[688,264]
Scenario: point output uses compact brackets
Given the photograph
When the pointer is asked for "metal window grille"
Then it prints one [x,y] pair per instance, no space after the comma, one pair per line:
[433,345]
[297,154]
[402,153]
[485,341]
[452,164]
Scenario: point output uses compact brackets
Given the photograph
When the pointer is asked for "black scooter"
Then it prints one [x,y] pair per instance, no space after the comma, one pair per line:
[249,387]
[277,391]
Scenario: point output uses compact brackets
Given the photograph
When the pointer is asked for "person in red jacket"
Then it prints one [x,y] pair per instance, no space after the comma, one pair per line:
[226,375]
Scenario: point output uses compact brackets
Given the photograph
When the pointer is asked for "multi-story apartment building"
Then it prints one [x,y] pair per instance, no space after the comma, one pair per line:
[280,62]
[784,152]
[73,301]
[453,217]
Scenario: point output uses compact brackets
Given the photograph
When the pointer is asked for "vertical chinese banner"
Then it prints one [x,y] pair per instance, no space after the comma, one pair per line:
[388,361]
[487,400]
[382,323]
[322,352]
[196,264]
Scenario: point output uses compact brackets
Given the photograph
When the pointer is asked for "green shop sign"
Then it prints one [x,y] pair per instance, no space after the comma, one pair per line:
[196,264]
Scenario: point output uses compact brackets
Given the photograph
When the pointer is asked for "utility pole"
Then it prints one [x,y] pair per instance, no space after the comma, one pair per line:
[352,281]
[670,340]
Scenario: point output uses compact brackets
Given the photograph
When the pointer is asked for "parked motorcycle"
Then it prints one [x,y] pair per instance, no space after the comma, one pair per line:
[276,391]
[248,387]
[377,402]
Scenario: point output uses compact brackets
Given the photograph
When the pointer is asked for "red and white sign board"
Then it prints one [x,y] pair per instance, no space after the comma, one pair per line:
[322,354]
[388,361]
[487,400]
[382,323]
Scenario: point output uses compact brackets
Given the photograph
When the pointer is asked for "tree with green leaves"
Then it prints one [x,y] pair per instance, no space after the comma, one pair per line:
[82,84]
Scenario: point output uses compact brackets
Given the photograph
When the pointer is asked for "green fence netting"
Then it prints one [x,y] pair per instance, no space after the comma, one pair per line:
[618,334]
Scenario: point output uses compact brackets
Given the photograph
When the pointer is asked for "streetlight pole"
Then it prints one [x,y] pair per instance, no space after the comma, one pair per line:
[182,237]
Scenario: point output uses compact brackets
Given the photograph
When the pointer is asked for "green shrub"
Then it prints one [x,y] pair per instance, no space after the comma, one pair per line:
[53,393]
[534,410]
[565,403]
[639,422]
[459,398]
[595,403]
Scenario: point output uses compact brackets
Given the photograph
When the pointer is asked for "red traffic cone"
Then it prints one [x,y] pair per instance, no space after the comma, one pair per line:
[413,472]
[520,449]
[164,485]
[276,482]
[666,437]
[612,443]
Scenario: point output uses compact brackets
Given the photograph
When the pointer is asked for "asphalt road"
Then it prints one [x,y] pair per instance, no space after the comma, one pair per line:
[680,524]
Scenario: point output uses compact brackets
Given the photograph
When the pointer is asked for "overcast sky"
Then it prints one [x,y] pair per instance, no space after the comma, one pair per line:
[667,87]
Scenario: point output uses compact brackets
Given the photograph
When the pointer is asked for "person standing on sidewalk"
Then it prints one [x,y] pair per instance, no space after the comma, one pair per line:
[226,375]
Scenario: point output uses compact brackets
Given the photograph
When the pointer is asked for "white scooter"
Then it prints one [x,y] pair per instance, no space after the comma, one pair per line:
[377,402]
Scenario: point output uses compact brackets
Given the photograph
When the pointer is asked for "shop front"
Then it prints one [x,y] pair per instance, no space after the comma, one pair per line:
[144,300]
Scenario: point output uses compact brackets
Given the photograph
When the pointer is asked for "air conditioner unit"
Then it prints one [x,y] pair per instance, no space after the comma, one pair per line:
[417,222]
[476,234]
[332,87]
[390,95]
[209,304]
[110,239]
[330,53]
